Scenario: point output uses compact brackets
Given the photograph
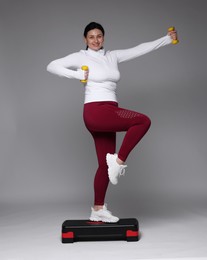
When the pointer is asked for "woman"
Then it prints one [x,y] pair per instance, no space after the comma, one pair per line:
[102,115]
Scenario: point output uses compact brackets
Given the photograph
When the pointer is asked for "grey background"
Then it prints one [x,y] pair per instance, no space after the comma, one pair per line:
[46,152]
[47,155]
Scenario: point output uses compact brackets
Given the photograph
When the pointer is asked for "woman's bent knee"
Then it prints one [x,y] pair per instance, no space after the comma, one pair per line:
[143,120]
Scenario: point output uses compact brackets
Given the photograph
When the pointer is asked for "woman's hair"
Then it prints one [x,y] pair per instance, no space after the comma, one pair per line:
[91,26]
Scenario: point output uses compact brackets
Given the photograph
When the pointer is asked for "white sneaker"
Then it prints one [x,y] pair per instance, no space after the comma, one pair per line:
[103,215]
[115,170]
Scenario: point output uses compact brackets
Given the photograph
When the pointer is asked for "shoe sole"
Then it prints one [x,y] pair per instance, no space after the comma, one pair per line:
[108,159]
[103,220]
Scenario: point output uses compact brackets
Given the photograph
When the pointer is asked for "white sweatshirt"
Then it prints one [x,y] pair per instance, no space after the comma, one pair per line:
[103,68]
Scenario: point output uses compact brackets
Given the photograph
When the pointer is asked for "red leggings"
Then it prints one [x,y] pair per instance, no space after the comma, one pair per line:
[103,119]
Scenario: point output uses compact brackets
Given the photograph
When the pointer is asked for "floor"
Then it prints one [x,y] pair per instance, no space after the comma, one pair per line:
[33,232]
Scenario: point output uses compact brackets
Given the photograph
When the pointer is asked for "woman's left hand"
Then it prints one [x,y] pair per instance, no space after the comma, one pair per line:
[173,35]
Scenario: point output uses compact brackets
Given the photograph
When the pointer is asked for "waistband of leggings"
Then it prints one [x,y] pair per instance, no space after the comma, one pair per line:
[99,103]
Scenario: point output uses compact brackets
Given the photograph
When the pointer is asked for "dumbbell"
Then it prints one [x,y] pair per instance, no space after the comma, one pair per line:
[84,67]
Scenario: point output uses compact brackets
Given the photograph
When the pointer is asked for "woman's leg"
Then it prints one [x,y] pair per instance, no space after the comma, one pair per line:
[104,143]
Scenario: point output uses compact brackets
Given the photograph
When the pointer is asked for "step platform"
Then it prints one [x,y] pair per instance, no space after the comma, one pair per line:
[86,230]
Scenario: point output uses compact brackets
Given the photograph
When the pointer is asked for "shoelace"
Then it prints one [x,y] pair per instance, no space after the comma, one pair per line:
[122,170]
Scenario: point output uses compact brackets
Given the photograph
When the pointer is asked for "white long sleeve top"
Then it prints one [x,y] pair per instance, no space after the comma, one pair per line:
[103,68]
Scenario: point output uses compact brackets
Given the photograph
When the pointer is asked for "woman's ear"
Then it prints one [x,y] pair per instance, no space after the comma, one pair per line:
[84,38]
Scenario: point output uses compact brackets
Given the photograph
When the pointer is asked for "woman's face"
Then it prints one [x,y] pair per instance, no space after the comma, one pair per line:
[94,39]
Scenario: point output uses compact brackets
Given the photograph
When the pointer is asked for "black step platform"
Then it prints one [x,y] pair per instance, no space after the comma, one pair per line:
[86,230]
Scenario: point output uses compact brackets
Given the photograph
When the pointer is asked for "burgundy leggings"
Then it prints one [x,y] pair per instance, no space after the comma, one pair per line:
[103,119]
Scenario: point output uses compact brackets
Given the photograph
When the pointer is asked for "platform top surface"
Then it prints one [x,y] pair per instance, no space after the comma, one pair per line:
[87,223]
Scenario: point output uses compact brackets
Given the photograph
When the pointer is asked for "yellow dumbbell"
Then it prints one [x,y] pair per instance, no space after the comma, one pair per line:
[84,68]
[170,30]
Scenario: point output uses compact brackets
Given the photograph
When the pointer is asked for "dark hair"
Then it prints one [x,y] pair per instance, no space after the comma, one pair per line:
[91,26]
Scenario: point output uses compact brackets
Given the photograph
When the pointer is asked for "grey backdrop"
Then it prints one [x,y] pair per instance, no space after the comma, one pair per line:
[46,154]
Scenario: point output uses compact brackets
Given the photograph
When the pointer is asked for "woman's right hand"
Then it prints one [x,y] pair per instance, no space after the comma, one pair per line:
[86,72]
[82,74]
